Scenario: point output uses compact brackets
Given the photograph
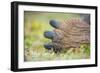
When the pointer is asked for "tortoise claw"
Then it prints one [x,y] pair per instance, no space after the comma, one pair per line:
[54,23]
[48,46]
[49,34]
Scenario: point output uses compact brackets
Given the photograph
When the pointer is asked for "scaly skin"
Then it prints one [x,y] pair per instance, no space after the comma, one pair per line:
[67,34]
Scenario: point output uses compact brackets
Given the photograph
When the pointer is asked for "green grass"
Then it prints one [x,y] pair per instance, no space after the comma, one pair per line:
[73,53]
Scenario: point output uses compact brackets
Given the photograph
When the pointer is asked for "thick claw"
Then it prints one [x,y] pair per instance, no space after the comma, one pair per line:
[48,46]
[54,23]
[49,34]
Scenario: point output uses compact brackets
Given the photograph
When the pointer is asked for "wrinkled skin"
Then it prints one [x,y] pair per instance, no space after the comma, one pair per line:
[67,34]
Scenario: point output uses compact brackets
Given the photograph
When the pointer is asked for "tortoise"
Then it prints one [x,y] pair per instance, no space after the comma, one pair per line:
[70,33]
